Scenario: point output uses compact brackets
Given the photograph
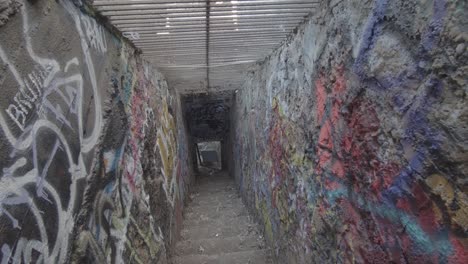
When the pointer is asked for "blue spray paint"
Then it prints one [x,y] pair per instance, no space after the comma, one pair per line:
[422,240]
[370,35]
[418,127]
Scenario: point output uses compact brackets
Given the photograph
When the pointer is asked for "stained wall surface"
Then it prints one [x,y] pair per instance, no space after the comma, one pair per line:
[93,148]
[350,140]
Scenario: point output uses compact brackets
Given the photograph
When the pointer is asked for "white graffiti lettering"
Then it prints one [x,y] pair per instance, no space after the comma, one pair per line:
[94,33]
[131,35]
[56,94]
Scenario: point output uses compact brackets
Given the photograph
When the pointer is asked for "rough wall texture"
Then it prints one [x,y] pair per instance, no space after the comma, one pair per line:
[7,9]
[93,158]
[351,139]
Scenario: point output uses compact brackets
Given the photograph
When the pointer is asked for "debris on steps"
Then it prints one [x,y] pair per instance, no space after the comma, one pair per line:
[218,227]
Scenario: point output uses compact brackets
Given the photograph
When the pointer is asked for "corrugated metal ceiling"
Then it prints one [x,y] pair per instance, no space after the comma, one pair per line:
[205,46]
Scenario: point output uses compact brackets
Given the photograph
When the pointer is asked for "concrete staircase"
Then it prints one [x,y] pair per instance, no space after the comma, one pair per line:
[217,226]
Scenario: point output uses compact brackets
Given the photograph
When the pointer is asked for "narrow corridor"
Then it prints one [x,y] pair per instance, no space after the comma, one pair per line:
[334,131]
[217,226]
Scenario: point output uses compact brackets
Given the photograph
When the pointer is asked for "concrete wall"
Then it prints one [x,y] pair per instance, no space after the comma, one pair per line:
[93,149]
[351,139]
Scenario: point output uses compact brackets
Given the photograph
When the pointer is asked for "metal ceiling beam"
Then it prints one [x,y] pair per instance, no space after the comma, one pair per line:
[194,72]
[185,16]
[150,45]
[191,39]
[196,66]
[163,63]
[218,59]
[100,3]
[151,49]
[165,55]
[189,13]
[215,45]
[148,48]
[146,22]
[219,33]
[117,20]
[200,73]
[215,31]
[142,2]
[207,53]
[197,76]
[202,48]
[182,56]
[206,44]
[194,6]
[197,53]
[213,59]
[215,26]
[145,25]
[217,50]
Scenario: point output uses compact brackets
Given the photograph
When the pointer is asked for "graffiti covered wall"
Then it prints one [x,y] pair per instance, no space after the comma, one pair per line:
[94,165]
[351,138]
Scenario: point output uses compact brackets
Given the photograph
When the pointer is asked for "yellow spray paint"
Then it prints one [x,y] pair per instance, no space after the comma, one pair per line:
[442,187]
[167,144]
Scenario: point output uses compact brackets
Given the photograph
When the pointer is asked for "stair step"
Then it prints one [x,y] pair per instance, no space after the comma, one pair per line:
[204,221]
[215,205]
[217,227]
[214,181]
[213,246]
[221,231]
[242,257]
[203,214]
[214,199]
[212,192]
[215,185]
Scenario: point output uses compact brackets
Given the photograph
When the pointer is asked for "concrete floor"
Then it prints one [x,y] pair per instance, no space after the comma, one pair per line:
[217,226]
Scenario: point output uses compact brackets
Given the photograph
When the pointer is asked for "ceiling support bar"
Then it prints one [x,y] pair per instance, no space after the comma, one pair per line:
[207,45]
